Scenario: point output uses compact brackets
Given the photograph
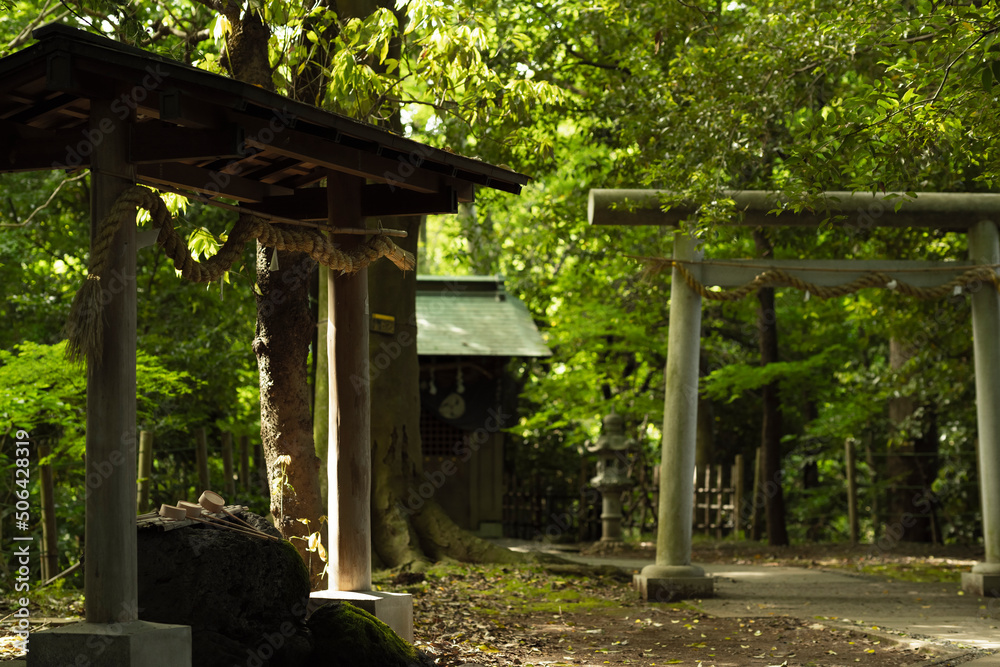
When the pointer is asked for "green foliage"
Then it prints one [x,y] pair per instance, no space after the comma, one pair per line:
[729,382]
[39,387]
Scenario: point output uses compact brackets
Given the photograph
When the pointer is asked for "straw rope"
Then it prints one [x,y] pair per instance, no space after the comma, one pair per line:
[86,322]
[976,276]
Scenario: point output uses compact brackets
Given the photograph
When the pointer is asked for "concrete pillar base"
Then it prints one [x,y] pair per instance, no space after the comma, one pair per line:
[393,609]
[667,583]
[983,580]
[132,644]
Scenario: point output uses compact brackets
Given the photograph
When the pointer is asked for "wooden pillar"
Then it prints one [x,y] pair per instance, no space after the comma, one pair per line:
[852,491]
[757,500]
[321,390]
[984,248]
[229,484]
[111,573]
[201,460]
[50,542]
[349,451]
[245,462]
[145,469]
[260,469]
[738,492]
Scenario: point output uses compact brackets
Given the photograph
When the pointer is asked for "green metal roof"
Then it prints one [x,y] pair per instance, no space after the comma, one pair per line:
[473,316]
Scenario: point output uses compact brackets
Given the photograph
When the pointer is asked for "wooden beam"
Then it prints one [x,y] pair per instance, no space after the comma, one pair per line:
[310,204]
[281,139]
[180,108]
[158,142]
[384,199]
[829,272]
[26,148]
[861,211]
[208,182]
[349,452]
[40,108]
[111,571]
[307,204]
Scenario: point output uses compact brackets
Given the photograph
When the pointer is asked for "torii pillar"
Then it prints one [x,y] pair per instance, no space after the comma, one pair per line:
[673,576]
[984,248]
[349,466]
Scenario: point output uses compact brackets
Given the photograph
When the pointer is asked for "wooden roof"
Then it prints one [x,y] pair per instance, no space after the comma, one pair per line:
[201,133]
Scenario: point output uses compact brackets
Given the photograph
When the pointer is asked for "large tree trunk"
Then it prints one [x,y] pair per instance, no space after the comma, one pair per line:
[910,466]
[284,334]
[407,528]
[767,328]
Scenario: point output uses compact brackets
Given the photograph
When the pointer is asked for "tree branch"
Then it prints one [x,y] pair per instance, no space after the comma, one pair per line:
[592,63]
[44,16]
[43,206]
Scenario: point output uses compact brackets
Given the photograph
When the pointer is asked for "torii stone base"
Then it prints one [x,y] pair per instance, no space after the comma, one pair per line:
[984,580]
[128,644]
[393,609]
[669,583]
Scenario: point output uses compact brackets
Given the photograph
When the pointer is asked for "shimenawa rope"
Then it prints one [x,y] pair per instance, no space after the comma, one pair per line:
[778,278]
[85,325]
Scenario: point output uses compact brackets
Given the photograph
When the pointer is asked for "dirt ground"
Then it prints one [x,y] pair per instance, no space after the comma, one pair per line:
[499,616]
[463,618]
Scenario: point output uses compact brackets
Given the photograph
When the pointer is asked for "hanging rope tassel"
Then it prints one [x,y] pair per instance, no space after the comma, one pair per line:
[85,325]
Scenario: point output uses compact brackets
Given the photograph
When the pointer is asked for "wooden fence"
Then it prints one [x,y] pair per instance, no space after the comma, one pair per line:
[718,499]
[236,470]
[534,510]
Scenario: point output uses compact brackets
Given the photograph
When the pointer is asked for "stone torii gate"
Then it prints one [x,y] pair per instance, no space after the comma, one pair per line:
[673,575]
[75,100]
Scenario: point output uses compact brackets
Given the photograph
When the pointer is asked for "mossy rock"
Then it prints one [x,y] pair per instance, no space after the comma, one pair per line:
[346,636]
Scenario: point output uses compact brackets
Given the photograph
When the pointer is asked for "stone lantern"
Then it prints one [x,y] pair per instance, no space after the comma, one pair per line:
[612,449]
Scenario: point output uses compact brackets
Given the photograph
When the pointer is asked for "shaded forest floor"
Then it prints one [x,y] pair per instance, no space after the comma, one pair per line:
[563,614]
[568,615]
[498,616]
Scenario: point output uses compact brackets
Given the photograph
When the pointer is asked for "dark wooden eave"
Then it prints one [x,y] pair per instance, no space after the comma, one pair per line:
[211,136]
